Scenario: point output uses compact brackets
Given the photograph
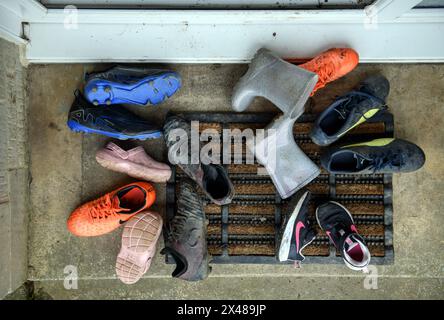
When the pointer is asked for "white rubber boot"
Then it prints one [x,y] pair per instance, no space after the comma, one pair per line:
[288,87]
[283,83]
[288,166]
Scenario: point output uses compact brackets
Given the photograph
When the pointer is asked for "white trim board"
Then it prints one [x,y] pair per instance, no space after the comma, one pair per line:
[215,38]
[233,36]
[206,4]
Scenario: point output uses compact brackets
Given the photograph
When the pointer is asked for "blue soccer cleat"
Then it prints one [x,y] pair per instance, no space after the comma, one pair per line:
[130,85]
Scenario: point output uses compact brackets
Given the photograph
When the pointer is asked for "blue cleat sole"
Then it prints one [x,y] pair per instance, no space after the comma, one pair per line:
[150,90]
[77,127]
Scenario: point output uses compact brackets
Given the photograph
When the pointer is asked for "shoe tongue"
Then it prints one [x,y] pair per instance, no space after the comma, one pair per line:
[350,242]
[115,204]
[353,250]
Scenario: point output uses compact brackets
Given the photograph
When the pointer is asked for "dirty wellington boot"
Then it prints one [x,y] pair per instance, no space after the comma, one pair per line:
[296,231]
[212,178]
[134,162]
[281,82]
[131,85]
[350,110]
[110,211]
[385,155]
[331,65]
[289,167]
[187,242]
[139,240]
[338,224]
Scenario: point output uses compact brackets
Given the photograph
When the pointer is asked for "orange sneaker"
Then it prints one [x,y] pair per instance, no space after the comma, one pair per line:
[108,212]
[331,65]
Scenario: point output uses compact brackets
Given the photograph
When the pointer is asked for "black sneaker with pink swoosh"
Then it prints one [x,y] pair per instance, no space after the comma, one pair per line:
[296,231]
[337,222]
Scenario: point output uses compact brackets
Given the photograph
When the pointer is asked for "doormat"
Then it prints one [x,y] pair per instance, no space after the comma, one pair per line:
[245,231]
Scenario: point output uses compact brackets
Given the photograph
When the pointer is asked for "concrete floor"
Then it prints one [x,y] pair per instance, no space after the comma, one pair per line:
[13,170]
[65,174]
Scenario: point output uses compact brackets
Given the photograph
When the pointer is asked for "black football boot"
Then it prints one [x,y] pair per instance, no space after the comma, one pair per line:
[115,122]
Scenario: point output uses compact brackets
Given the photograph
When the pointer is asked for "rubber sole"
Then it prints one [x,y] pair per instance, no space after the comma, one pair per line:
[139,239]
[150,90]
[77,127]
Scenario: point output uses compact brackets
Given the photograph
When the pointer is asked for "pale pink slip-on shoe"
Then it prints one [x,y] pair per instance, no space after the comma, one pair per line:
[139,239]
[135,163]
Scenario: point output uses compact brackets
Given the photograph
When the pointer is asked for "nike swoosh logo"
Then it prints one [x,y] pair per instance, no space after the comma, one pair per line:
[299,226]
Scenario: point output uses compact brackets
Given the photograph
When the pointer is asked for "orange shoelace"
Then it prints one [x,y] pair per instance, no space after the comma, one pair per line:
[102,208]
[325,73]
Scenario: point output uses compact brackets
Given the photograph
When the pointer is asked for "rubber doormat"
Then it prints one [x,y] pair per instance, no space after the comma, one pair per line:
[245,231]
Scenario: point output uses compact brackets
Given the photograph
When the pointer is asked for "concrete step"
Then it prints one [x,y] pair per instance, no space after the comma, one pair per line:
[250,288]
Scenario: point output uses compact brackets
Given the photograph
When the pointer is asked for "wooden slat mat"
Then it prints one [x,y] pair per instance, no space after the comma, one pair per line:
[245,231]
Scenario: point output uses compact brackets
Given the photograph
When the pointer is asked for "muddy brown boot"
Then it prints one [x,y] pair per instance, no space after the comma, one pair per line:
[212,178]
[187,242]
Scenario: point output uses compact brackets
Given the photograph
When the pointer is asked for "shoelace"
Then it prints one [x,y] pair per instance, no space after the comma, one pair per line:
[102,208]
[390,159]
[325,73]
[338,232]
[348,101]
[346,104]
[110,76]
[124,78]
[324,70]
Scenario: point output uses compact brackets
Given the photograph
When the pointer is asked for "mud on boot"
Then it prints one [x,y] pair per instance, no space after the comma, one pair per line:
[186,235]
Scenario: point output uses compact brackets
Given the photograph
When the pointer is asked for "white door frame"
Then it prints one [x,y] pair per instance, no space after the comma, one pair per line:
[386,31]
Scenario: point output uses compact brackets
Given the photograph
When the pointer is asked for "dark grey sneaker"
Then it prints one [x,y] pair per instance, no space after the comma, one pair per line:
[350,110]
[212,178]
[296,231]
[338,224]
[187,234]
[386,155]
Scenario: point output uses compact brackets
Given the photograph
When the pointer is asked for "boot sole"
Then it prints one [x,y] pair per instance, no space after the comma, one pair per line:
[77,127]
[139,236]
[150,90]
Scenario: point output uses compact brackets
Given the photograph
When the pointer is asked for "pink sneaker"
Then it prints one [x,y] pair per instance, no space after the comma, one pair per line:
[135,163]
[139,239]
